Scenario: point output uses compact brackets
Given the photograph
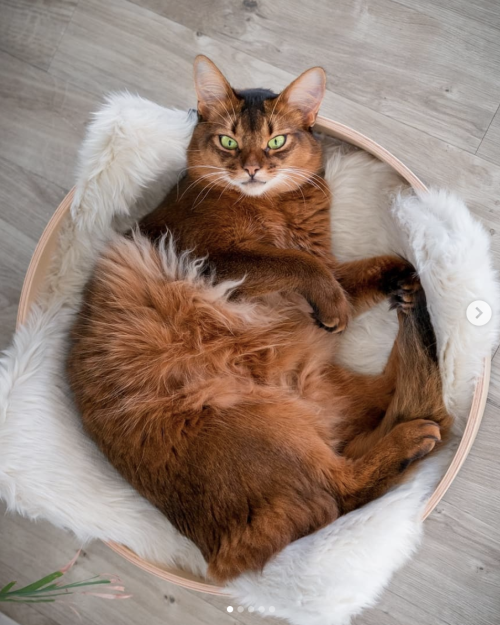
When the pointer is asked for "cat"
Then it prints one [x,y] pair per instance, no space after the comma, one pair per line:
[208,376]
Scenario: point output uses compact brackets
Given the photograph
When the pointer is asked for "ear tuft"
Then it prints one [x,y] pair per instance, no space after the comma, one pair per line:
[211,86]
[306,92]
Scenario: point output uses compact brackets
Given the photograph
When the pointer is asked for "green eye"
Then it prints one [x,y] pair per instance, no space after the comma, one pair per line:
[277,142]
[228,142]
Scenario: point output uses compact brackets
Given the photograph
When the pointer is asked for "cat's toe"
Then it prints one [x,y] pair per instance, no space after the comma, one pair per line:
[333,328]
[401,285]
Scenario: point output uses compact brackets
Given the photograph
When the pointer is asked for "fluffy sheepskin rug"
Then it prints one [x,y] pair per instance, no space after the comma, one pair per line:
[135,151]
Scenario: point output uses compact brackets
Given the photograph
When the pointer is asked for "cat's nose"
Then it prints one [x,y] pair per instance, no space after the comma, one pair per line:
[251,170]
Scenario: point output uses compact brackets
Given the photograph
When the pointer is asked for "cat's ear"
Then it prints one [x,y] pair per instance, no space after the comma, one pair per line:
[211,86]
[306,92]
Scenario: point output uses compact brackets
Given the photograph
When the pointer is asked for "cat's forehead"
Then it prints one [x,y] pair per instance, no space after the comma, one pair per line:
[254,99]
[255,110]
[252,109]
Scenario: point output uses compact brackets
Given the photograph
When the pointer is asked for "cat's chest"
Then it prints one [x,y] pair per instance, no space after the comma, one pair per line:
[300,225]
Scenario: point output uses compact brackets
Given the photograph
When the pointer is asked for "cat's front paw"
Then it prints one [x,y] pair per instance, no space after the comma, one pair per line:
[401,283]
[331,310]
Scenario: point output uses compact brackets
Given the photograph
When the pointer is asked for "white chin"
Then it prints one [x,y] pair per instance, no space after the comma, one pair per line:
[253,189]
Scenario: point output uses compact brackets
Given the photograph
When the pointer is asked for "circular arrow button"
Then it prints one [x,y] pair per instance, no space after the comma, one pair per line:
[479,313]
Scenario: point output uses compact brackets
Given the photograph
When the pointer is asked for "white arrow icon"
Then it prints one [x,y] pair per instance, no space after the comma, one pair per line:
[479,313]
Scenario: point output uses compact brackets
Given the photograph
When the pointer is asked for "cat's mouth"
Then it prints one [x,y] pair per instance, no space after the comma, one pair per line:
[253,187]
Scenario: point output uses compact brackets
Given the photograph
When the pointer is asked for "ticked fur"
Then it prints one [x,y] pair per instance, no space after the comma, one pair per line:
[208,386]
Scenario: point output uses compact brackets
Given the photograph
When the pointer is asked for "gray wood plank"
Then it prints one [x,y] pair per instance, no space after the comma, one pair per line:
[16,249]
[193,12]
[27,202]
[482,11]
[490,145]
[31,29]
[409,65]
[43,120]
[25,615]
[118,45]
[36,549]
[190,13]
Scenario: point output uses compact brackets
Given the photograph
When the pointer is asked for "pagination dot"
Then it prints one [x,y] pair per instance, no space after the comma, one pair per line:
[229,608]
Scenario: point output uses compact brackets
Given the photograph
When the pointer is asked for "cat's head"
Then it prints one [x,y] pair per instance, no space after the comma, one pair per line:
[255,141]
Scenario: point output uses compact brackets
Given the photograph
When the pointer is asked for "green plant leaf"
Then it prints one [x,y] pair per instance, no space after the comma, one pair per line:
[49,588]
[7,587]
[36,595]
[18,600]
[40,583]
[46,589]
[78,584]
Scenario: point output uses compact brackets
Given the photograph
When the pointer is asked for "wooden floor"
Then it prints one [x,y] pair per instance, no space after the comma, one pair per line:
[421,77]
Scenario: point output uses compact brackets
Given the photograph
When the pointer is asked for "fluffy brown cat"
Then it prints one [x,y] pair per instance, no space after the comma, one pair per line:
[207,384]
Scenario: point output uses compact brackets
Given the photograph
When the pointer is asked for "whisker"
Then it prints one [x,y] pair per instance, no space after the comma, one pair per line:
[224,189]
[234,112]
[288,186]
[204,177]
[183,171]
[213,184]
[228,113]
[205,167]
[274,107]
[310,175]
[277,119]
[208,188]
[303,198]
[312,179]
[222,116]
[242,195]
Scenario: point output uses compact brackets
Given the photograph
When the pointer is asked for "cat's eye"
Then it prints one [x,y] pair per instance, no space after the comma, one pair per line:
[277,142]
[228,142]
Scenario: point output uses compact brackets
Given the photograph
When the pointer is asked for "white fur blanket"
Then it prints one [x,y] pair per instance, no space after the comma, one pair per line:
[134,151]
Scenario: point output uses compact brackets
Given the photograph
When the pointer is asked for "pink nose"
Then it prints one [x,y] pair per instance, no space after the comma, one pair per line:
[251,170]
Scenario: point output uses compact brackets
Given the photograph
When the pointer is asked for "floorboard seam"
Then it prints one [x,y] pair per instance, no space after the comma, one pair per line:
[62,35]
[489,125]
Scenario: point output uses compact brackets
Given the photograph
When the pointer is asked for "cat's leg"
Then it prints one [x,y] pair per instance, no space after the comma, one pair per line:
[280,481]
[357,481]
[415,372]
[266,269]
[366,399]
[370,280]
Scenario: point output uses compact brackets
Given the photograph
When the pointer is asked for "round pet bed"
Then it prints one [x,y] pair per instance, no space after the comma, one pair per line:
[133,152]
[39,266]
